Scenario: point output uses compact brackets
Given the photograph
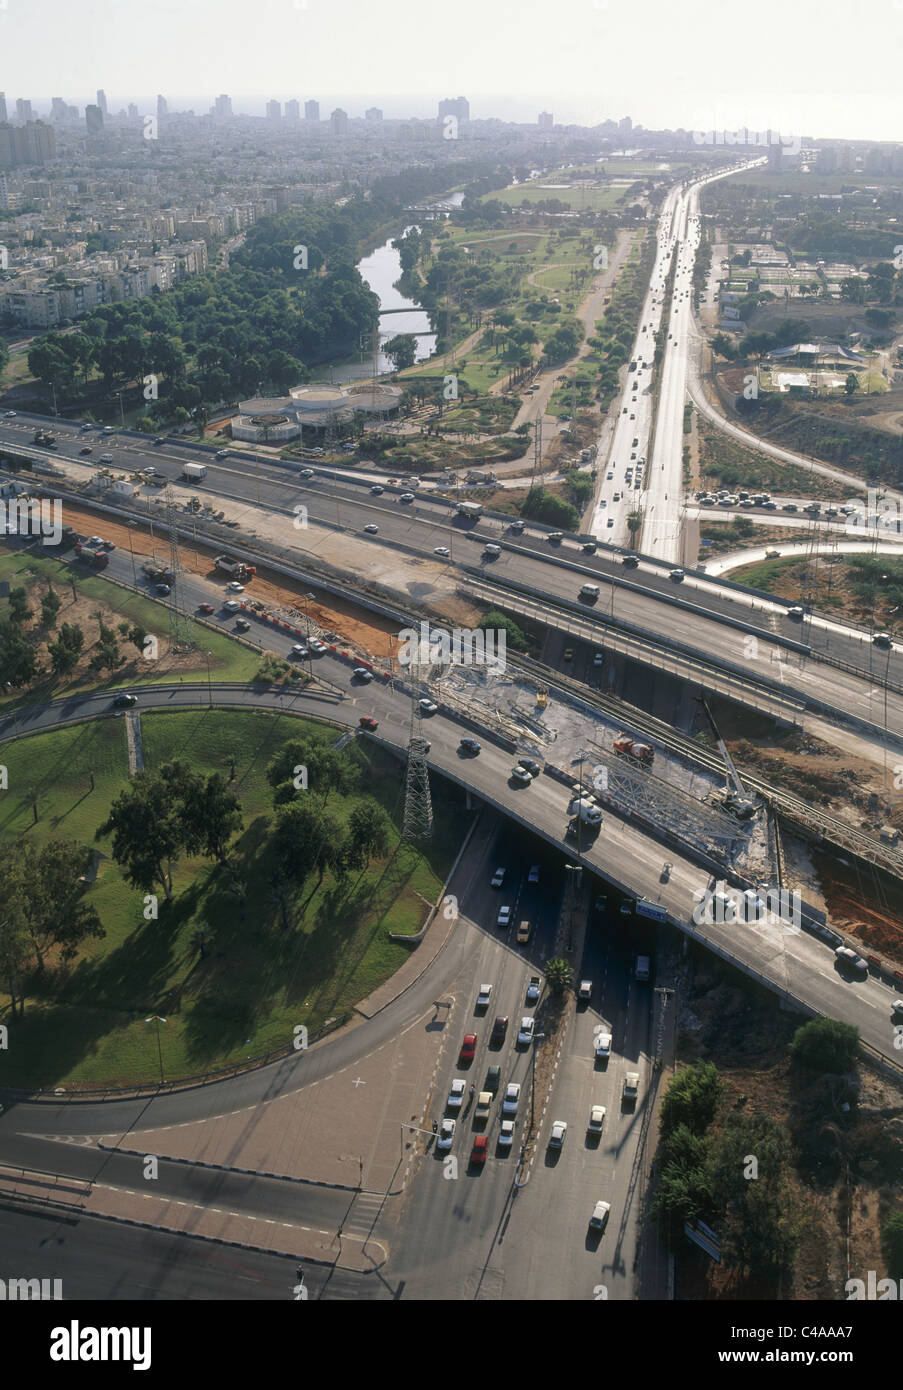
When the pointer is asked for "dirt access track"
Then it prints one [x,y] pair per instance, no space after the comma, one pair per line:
[368,632]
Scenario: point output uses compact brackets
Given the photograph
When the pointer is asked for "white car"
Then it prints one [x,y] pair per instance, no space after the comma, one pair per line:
[585,990]
[533,989]
[512,1096]
[483,996]
[498,878]
[362,673]
[429,706]
[506,1133]
[446,1134]
[318,648]
[598,658]
[559,1131]
[533,875]
[442,550]
[232,605]
[299,650]
[491,549]
[526,1031]
[234,587]
[600,1215]
[603,1045]
[631,1085]
[504,917]
[456,1093]
[596,1119]
[521,776]
[371,529]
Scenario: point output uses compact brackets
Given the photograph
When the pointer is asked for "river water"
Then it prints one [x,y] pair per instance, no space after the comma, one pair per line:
[380,270]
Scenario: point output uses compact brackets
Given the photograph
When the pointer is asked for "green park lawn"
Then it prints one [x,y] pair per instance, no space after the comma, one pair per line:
[229,660]
[85,1023]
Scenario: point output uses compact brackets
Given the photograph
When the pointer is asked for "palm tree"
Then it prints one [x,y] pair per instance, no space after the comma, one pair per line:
[634,522]
[558,974]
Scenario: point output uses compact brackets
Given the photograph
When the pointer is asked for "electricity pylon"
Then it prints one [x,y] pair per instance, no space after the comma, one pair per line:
[180,639]
[418,804]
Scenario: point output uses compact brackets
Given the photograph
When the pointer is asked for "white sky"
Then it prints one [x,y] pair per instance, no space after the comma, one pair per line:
[804,67]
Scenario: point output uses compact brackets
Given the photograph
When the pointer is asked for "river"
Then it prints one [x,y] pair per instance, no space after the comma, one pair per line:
[380,270]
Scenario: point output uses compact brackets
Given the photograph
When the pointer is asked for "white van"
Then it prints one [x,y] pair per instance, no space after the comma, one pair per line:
[589,590]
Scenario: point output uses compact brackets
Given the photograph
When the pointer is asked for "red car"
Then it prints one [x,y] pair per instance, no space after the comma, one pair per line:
[367,721]
[86,451]
[480,1149]
[468,1048]
[205,608]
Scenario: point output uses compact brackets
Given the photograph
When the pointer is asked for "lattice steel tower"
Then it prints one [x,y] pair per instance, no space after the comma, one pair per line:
[180,638]
[418,804]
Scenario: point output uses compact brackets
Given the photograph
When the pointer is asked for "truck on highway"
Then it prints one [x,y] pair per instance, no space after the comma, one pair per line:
[236,569]
[472,510]
[92,555]
[194,471]
[642,968]
[158,574]
[583,810]
[630,748]
[44,437]
[475,476]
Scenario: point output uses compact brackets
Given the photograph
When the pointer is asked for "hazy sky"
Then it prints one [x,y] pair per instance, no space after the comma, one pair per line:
[805,67]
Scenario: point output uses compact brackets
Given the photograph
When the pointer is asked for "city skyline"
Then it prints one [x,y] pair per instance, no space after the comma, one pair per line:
[687,76]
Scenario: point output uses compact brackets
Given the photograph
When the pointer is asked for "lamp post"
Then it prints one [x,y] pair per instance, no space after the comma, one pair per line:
[155,1018]
[310,660]
[536,1041]
[209,683]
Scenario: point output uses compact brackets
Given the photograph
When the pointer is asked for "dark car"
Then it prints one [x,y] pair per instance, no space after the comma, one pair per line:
[123,700]
[630,561]
[469,745]
[162,589]
[499,1030]
[367,721]
[86,450]
[206,608]
[531,765]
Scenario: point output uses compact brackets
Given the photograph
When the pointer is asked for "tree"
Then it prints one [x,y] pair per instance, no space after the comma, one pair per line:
[634,523]
[760,1219]
[51,889]
[210,814]
[851,384]
[559,975]
[825,1044]
[692,1098]
[539,505]
[892,1242]
[402,349]
[19,611]
[17,657]
[147,833]
[367,834]
[498,622]
[305,839]
[64,652]
[51,603]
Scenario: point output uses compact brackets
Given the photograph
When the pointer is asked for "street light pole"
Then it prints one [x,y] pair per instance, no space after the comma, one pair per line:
[310,658]
[536,1041]
[155,1018]
[209,684]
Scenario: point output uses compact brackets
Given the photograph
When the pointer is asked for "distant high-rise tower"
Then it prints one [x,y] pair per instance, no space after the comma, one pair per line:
[133,111]
[3,116]
[338,121]
[222,107]
[293,111]
[373,113]
[102,101]
[274,110]
[23,110]
[455,106]
[546,120]
[625,125]
[311,110]
[162,108]
[94,120]
[58,109]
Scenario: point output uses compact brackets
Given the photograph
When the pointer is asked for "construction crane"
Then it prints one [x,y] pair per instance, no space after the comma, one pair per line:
[736,797]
